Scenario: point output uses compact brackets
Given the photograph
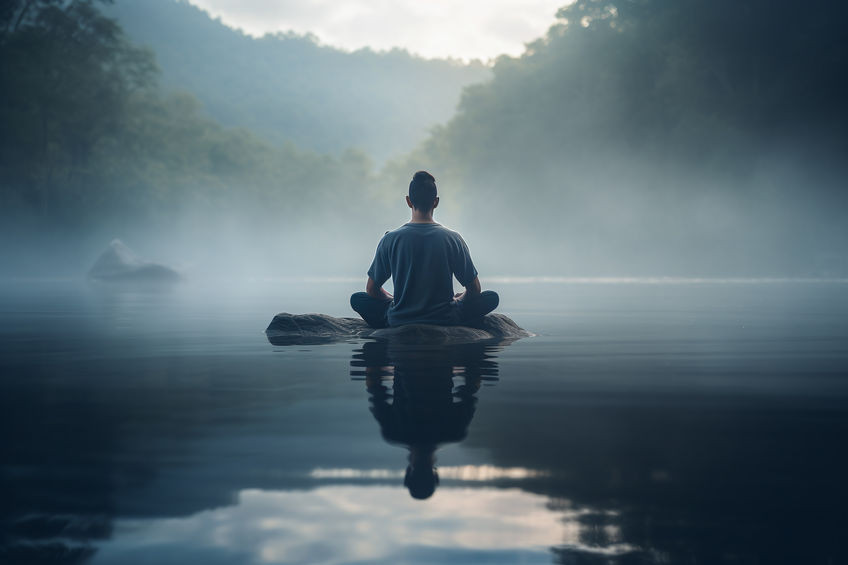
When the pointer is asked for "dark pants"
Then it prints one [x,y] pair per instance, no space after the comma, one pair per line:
[470,311]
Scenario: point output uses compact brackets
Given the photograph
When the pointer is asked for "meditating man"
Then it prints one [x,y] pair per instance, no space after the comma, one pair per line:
[422,257]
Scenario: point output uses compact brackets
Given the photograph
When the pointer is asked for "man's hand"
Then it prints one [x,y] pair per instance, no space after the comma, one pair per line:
[458,296]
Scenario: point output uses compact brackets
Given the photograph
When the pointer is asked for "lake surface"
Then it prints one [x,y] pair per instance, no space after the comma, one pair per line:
[645,423]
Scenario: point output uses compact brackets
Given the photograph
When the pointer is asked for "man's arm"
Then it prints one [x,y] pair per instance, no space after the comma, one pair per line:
[377,291]
[471,290]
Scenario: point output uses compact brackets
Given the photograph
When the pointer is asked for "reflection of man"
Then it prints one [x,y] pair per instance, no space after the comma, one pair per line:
[423,409]
[422,257]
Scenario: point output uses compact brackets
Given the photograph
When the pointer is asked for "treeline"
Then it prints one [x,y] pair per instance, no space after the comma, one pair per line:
[656,137]
[661,137]
[88,137]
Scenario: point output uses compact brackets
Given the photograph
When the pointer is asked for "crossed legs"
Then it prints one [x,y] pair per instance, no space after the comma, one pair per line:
[471,310]
[372,310]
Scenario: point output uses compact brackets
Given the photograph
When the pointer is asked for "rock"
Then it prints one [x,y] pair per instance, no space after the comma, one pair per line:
[310,329]
[119,263]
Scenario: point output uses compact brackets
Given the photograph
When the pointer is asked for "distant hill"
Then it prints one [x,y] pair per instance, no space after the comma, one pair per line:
[287,87]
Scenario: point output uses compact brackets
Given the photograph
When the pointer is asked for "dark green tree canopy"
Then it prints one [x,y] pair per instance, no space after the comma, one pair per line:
[68,75]
[643,135]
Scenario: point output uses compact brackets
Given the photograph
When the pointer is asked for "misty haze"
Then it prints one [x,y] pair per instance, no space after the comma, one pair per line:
[220,342]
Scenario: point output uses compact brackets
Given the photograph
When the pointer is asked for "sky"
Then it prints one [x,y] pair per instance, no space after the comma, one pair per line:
[336,522]
[459,29]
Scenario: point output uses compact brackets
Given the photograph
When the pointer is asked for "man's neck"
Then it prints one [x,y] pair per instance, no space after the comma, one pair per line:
[422,217]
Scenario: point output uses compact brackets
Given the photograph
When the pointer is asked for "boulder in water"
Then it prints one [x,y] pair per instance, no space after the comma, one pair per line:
[119,263]
[311,329]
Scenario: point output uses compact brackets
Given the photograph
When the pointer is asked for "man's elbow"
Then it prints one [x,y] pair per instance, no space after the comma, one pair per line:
[371,288]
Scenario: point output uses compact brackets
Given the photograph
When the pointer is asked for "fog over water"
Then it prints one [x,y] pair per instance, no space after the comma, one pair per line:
[656,189]
[631,140]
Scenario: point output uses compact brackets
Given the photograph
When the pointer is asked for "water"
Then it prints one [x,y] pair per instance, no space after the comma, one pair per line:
[646,423]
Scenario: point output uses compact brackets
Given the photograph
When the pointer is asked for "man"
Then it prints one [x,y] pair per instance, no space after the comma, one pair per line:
[422,257]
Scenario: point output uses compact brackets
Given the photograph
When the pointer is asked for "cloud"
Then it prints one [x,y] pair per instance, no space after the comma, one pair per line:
[376,524]
[469,29]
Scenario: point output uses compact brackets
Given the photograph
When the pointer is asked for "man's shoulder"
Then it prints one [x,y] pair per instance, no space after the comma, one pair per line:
[414,230]
[450,234]
[391,234]
[418,228]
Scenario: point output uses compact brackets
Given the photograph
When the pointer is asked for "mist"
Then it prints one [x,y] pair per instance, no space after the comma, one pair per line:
[652,368]
[652,139]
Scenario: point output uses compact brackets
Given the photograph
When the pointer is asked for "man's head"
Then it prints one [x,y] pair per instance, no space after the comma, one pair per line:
[422,192]
[421,477]
[421,481]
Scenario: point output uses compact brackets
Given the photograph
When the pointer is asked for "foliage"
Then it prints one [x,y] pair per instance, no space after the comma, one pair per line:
[67,76]
[88,138]
[652,137]
[661,136]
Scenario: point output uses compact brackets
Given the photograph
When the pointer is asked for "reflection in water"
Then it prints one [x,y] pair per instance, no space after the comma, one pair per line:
[143,427]
[345,524]
[423,397]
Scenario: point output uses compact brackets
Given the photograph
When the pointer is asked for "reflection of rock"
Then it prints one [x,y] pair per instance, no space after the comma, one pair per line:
[119,263]
[291,329]
[493,327]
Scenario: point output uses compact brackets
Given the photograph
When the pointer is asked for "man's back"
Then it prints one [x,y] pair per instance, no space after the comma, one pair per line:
[422,259]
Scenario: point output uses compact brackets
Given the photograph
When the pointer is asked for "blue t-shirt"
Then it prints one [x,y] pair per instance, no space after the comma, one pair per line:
[422,259]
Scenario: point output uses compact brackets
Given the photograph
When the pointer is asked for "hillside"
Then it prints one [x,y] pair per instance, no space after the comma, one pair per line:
[287,87]
[648,138]
[92,148]
[660,137]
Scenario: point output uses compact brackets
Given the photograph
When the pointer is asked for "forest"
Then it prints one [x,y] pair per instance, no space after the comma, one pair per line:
[649,137]
[92,146]
[689,138]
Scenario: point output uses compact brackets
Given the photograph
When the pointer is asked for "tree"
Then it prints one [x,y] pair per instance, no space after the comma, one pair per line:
[672,136]
[67,73]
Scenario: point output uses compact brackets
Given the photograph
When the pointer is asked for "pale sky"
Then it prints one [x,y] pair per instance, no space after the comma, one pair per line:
[338,523]
[461,29]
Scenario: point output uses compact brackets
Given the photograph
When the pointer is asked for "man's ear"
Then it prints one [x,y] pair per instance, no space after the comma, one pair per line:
[408,202]
[435,203]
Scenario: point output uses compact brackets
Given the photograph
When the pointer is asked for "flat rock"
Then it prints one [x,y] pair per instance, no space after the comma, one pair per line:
[119,263]
[308,329]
